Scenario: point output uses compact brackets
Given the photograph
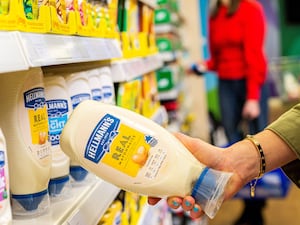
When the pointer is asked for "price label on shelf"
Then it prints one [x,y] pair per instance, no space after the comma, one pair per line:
[51,49]
[11,54]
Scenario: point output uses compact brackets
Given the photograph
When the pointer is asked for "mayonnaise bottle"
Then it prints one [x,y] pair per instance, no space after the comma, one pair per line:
[5,207]
[79,91]
[138,155]
[95,85]
[58,108]
[24,122]
[107,85]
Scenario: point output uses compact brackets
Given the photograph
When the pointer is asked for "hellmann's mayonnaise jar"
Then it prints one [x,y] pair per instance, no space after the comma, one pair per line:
[79,90]
[107,85]
[24,121]
[59,108]
[138,155]
[95,85]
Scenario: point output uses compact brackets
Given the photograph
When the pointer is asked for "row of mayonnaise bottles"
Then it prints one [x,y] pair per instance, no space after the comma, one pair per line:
[34,109]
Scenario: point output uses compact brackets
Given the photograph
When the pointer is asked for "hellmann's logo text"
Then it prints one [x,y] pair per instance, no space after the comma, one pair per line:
[101,138]
[34,98]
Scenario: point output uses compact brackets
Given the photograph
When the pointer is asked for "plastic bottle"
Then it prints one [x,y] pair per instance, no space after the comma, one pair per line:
[138,155]
[95,85]
[24,122]
[58,108]
[79,91]
[5,207]
[107,85]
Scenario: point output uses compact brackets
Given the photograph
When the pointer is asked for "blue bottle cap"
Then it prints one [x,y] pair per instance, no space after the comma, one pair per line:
[78,173]
[30,202]
[56,185]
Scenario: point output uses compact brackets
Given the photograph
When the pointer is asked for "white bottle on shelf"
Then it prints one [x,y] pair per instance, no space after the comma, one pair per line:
[5,207]
[107,85]
[79,91]
[138,155]
[24,121]
[58,108]
[95,85]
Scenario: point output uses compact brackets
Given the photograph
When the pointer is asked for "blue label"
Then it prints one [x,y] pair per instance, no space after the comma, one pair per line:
[76,99]
[107,91]
[96,94]
[34,98]
[57,117]
[101,138]
[57,107]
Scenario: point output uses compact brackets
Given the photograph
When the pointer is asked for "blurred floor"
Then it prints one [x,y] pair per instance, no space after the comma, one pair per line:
[285,211]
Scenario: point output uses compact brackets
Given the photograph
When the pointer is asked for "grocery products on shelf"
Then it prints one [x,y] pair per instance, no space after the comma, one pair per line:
[24,121]
[59,109]
[79,90]
[66,35]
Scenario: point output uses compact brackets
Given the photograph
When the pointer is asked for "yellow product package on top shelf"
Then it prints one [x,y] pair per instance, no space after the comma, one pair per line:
[8,15]
[62,17]
[96,19]
[25,15]
[33,15]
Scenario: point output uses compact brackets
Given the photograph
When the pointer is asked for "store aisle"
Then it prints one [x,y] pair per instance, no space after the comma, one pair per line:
[278,211]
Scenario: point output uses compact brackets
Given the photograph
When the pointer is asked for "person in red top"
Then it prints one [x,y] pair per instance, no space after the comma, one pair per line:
[237,31]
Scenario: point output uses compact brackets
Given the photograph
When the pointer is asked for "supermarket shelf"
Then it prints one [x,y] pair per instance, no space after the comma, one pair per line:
[86,206]
[88,203]
[50,49]
[165,28]
[168,56]
[24,50]
[11,54]
[156,215]
[169,95]
[128,69]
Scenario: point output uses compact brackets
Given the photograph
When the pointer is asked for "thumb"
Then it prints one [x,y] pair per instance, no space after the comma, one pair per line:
[204,152]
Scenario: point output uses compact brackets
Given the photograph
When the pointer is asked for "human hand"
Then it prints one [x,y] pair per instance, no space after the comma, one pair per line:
[251,109]
[196,68]
[216,158]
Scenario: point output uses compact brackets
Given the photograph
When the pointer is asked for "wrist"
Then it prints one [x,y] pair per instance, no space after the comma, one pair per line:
[245,160]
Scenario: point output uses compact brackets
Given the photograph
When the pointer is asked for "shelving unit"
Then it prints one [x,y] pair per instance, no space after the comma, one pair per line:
[79,208]
[22,51]
[12,55]
[126,70]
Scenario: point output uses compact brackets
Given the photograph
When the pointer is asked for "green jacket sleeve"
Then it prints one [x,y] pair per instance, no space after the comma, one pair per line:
[287,127]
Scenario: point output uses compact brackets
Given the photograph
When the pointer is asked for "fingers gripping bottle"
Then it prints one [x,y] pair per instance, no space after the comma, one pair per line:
[138,155]
[58,108]
[24,121]
[79,91]
[5,207]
